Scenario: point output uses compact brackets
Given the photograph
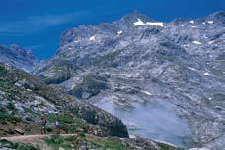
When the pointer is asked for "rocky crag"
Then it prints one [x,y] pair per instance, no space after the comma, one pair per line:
[138,65]
[19,57]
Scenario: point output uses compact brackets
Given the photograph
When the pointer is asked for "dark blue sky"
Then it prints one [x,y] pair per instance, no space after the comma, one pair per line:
[37,24]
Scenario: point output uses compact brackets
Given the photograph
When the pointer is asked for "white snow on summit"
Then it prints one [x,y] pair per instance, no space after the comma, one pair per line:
[210,22]
[192,22]
[206,74]
[148,93]
[197,42]
[211,42]
[193,69]
[141,23]
[155,24]
[119,32]
[92,38]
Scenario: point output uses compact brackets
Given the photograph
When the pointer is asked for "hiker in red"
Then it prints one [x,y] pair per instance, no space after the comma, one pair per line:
[43,125]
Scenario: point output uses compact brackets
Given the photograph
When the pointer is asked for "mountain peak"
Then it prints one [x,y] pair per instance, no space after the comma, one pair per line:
[130,18]
[217,17]
[218,14]
[134,14]
[16,56]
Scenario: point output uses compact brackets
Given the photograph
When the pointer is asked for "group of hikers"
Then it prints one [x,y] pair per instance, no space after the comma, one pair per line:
[44,123]
[57,126]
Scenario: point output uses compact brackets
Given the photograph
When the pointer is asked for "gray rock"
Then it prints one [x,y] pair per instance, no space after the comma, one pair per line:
[18,57]
[149,69]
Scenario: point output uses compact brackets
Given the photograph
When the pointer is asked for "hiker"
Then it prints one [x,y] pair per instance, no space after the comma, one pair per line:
[43,125]
[57,125]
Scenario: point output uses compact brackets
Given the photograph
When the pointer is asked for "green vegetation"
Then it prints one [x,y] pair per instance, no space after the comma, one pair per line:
[8,117]
[73,142]
[112,144]
[2,70]
[69,123]
[11,106]
[18,146]
[58,141]
[164,146]
[3,83]
[105,143]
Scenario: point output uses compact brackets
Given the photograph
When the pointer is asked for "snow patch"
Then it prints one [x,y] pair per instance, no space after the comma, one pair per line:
[141,23]
[206,74]
[193,69]
[197,42]
[203,23]
[155,24]
[193,26]
[205,36]
[148,93]
[92,38]
[119,32]
[29,90]
[132,136]
[211,42]
[210,22]
[191,22]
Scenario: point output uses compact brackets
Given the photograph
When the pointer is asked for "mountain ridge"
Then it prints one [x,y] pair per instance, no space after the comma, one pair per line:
[19,57]
[163,80]
[178,67]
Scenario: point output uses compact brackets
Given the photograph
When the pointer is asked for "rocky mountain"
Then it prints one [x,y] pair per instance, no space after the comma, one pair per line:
[24,100]
[164,80]
[19,57]
[24,97]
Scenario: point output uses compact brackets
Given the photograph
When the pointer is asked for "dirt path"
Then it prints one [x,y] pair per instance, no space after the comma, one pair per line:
[33,140]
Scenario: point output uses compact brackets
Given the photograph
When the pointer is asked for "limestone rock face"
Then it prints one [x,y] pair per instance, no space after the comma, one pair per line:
[18,57]
[152,69]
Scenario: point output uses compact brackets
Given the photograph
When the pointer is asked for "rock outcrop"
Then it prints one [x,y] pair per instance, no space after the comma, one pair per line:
[18,57]
[137,62]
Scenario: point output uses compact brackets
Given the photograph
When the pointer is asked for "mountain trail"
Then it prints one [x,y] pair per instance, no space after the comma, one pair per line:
[36,140]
